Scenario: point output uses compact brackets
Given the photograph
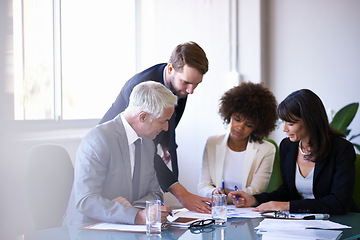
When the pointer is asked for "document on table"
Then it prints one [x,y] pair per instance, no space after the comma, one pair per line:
[232,211]
[310,234]
[115,227]
[185,213]
[280,229]
[279,224]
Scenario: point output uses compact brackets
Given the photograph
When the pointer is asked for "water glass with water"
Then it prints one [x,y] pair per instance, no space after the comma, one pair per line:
[153,217]
[219,208]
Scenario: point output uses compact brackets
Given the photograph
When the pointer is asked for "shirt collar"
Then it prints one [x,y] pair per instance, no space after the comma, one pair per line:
[130,132]
[164,78]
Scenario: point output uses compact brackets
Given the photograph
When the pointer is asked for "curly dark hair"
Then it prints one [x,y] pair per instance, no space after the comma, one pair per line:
[253,102]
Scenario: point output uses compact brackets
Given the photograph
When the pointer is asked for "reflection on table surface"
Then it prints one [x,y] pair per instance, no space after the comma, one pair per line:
[236,228]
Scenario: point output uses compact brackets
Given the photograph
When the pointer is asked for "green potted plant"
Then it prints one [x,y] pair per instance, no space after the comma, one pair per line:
[342,120]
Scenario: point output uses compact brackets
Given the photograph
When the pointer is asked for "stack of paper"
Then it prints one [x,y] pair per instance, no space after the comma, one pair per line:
[182,222]
[299,229]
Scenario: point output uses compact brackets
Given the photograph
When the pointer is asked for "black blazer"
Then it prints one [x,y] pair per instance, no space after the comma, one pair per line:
[155,73]
[333,184]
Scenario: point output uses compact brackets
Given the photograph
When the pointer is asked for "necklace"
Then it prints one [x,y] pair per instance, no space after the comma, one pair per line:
[305,154]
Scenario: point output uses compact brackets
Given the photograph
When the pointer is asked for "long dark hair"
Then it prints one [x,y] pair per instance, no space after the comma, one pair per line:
[306,105]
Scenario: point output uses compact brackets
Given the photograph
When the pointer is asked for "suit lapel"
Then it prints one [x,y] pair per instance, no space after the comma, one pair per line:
[220,160]
[124,149]
[251,150]
[143,166]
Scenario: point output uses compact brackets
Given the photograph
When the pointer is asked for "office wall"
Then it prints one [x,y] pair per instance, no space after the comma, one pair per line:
[314,44]
[209,21]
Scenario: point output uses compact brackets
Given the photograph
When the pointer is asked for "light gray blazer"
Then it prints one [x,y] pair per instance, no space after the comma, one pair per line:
[257,169]
[102,173]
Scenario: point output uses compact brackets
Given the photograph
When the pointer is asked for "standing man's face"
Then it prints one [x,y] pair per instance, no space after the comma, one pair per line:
[185,82]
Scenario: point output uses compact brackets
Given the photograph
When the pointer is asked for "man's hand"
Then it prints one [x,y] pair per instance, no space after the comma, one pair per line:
[140,217]
[165,211]
[121,200]
[191,201]
[243,199]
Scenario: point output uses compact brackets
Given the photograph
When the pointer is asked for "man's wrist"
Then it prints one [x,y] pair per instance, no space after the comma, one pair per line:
[178,190]
[169,188]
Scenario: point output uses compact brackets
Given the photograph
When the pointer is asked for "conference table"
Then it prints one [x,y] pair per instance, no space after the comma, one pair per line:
[236,228]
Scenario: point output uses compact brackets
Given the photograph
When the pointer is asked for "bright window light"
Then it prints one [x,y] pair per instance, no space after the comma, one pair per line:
[72,57]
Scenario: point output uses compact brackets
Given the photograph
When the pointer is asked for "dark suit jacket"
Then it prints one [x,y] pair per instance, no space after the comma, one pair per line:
[333,184]
[165,176]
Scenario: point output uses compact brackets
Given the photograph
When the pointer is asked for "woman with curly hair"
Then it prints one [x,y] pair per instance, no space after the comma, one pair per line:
[241,157]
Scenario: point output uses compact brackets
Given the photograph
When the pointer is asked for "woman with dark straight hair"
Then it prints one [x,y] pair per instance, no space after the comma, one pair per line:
[317,164]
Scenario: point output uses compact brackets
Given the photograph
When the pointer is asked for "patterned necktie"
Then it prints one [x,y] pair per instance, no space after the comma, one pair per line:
[136,173]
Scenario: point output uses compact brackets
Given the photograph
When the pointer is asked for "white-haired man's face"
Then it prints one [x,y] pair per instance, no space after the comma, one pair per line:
[150,127]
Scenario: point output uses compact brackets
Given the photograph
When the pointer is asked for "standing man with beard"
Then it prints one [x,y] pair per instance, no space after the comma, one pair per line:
[182,74]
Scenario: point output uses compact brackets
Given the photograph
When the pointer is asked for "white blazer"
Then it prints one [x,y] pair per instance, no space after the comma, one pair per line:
[257,169]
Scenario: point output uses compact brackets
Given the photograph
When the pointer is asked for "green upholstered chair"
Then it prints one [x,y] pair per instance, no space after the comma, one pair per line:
[356,195]
[275,180]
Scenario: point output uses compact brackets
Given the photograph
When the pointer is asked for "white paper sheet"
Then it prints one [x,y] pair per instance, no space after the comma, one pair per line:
[301,234]
[280,224]
[233,211]
[116,227]
[183,212]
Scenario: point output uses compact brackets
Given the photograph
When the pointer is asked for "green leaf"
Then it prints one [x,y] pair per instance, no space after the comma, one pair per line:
[346,132]
[344,117]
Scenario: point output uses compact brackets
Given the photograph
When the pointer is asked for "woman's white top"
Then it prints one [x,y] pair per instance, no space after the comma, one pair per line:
[304,185]
[254,170]
[234,162]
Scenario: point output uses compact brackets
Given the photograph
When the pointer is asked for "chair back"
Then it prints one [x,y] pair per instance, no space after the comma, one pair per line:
[49,178]
[275,179]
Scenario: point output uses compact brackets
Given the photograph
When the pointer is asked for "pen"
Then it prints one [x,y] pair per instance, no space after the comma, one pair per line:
[170,213]
[237,197]
[223,185]
[317,217]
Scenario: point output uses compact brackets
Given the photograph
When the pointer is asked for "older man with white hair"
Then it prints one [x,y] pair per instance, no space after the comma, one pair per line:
[106,161]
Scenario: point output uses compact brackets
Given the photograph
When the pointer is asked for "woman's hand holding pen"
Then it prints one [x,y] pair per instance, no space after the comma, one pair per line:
[221,191]
[242,199]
